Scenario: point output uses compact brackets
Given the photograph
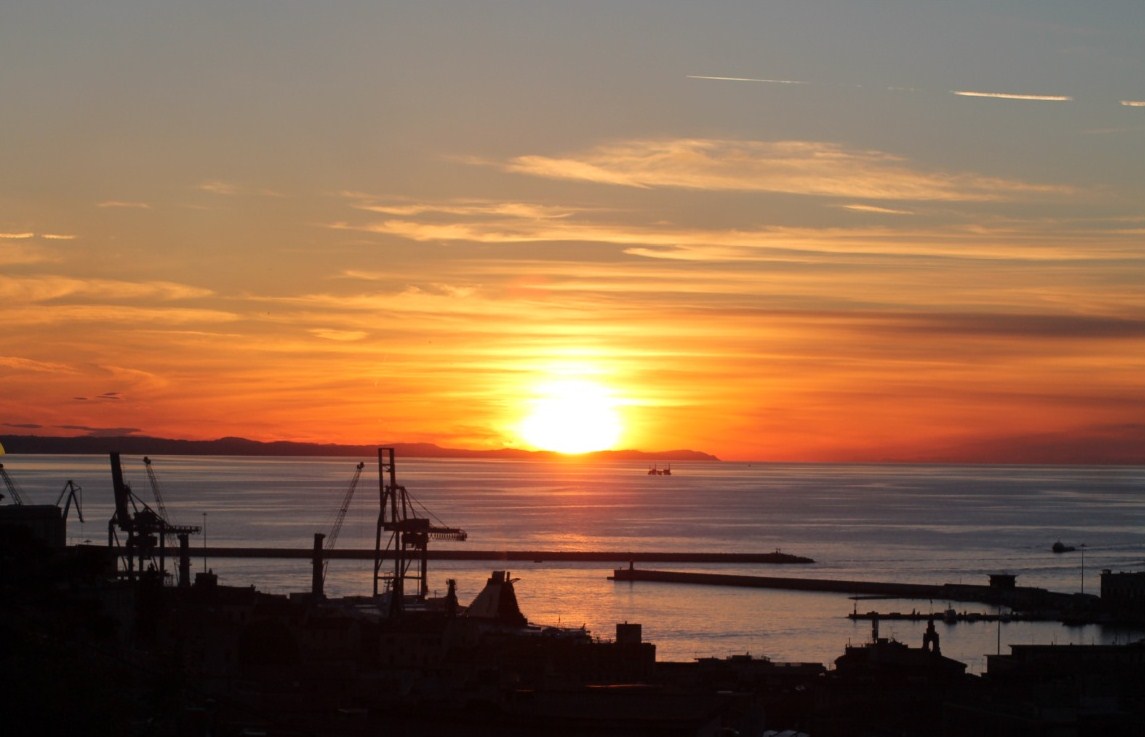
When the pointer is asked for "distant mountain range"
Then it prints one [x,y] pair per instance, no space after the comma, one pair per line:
[141,445]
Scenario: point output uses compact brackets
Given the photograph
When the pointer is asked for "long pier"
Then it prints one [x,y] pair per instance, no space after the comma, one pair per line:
[1017,598]
[866,588]
[539,556]
[951,617]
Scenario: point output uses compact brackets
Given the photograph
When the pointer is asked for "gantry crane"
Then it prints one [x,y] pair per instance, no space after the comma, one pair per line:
[52,520]
[146,530]
[409,537]
[321,564]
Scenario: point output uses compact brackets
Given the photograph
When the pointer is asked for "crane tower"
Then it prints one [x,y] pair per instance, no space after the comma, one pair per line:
[409,537]
[145,529]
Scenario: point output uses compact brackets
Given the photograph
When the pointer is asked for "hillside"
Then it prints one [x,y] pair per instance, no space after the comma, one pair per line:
[137,444]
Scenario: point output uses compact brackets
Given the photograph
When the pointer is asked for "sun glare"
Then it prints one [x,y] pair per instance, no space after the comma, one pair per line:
[572,416]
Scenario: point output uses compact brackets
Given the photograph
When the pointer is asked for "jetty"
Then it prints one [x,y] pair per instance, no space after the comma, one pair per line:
[867,588]
[1001,590]
[950,616]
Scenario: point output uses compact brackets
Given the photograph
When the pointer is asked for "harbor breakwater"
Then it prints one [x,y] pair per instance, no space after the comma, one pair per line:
[1013,597]
[580,556]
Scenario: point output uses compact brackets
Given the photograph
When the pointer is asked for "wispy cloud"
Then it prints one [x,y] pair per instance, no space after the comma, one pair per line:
[1026,240]
[1012,96]
[793,167]
[1133,103]
[338,335]
[1045,326]
[105,397]
[38,289]
[17,363]
[219,188]
[23,236]
[427,298]
[101,432]
[482,207]
[125,204]
[876,210]
[746,79]
[232,189]
[71,315]
[961,93]
[978,244]
[40,301]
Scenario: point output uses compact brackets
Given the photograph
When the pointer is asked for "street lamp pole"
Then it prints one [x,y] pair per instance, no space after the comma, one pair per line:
[1083,568]
[205,545]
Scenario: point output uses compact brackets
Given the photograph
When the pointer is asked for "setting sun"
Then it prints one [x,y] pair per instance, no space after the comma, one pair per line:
[572,416]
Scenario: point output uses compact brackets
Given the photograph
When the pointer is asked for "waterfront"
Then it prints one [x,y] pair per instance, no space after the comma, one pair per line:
[917,524]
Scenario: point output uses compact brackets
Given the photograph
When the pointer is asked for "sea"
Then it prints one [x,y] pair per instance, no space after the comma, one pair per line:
[898,523]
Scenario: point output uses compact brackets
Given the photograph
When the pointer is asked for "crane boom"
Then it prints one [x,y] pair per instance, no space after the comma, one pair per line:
[155,490]
[336,528]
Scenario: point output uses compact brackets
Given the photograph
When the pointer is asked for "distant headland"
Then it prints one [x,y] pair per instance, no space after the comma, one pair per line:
[140,444]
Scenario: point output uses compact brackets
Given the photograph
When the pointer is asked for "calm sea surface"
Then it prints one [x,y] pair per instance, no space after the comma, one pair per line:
[925,524]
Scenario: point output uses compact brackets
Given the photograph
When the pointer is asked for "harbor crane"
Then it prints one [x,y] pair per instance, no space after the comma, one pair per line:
[155,489]
[408,540]
[73,493]
[319,577]
[49,521]
[13,490]
[145,529]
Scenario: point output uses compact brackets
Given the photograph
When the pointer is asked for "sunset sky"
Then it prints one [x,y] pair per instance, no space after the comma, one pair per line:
[790,231]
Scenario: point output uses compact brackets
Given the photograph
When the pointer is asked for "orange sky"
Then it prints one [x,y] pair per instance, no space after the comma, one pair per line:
[767,235]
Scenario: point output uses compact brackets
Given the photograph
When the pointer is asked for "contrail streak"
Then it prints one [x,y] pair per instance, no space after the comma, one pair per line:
[747,79]
[960,93]
[1012,96]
